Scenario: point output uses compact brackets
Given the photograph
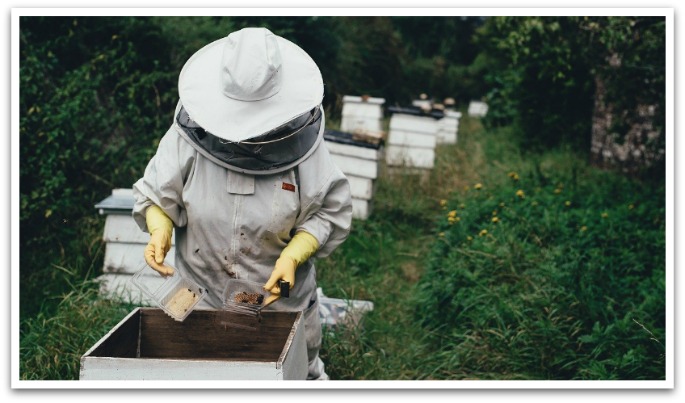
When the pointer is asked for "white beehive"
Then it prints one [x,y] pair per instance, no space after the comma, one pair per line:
[478,109]
[448,128]
[360,162]
[125,244]
[362,114]
[411,141]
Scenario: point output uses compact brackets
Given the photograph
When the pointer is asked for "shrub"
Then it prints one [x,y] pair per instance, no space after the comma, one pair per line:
[95,97]
[558,274]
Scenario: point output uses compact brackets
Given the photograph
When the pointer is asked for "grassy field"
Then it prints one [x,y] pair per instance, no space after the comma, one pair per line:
[496,265]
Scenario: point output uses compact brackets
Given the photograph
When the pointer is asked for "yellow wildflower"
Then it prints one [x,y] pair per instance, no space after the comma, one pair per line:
[469,238]
[495,219]
[514,176]
[483,232]
[462,206]
[567,203]
[494,212]
[478,186]
[583,228]
[557,191]
[452,214]
[520,193]
[605,215]
[443,203]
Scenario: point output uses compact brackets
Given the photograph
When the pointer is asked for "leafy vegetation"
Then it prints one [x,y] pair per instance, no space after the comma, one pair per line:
[550,276]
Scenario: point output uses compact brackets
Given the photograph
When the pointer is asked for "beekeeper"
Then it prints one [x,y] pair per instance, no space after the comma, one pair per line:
[244,178]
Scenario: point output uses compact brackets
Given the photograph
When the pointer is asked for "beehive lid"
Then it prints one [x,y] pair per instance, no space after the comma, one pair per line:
[121,201]
[416,111]
[363,99]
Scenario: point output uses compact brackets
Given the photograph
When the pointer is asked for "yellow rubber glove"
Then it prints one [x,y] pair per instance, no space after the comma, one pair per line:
[299,249]
[160,226]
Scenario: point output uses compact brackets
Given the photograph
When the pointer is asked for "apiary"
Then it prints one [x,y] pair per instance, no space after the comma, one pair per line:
[360,161]
[149,345]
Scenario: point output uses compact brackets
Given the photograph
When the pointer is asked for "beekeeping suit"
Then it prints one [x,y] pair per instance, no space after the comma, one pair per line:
[243,170]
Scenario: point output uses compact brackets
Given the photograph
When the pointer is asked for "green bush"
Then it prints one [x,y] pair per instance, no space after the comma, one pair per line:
[557,272]
[94,99]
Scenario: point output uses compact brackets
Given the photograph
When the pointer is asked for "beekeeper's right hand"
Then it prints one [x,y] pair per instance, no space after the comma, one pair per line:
[160,226]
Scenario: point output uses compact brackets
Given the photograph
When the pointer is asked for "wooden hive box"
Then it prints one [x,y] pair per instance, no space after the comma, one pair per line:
[360,162]
[149,345]
[411,141]
[362,113]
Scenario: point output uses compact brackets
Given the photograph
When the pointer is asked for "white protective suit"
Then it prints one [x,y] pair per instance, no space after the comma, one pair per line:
[234,225]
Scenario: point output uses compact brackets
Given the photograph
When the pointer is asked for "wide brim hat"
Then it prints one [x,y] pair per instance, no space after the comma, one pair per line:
[249,83]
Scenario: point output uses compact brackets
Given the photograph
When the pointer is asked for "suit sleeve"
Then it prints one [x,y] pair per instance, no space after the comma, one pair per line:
[328,214]
[163,180]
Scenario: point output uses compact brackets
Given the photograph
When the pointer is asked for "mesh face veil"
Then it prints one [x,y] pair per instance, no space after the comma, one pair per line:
[267,153]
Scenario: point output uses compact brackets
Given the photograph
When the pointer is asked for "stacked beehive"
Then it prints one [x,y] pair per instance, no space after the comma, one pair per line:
[359,159]
[357,148]
[124,246]
[412,138]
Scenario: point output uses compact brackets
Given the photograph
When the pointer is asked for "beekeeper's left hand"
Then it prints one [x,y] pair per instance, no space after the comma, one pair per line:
[284,269]
[299,249]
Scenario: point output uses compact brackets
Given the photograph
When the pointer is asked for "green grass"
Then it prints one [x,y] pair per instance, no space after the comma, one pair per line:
[553,290]
[52,344]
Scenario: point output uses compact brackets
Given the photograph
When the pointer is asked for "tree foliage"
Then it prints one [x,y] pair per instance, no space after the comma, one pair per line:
[543,73]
